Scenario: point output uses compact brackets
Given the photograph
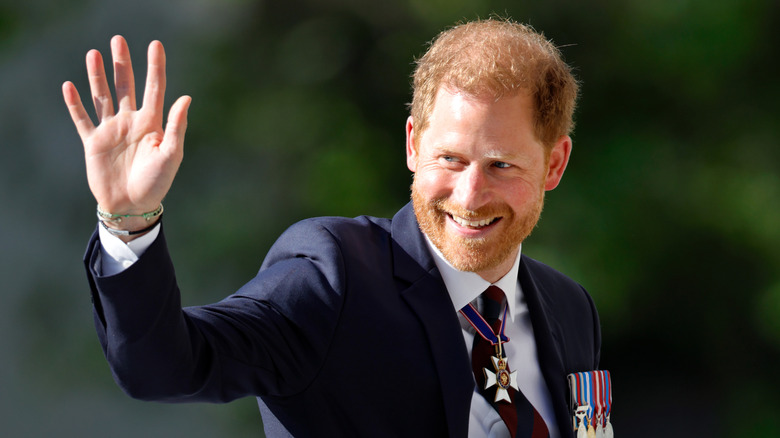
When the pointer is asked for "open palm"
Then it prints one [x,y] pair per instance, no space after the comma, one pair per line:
[131,161]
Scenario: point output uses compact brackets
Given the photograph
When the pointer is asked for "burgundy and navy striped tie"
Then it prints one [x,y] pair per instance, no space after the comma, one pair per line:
[520,416]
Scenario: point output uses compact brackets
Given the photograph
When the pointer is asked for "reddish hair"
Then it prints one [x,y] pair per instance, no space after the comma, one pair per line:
[497,58]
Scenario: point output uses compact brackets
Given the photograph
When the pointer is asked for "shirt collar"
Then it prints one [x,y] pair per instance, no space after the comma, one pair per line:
[464,287]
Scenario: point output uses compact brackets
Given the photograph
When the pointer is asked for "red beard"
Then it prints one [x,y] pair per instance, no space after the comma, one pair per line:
[475,254]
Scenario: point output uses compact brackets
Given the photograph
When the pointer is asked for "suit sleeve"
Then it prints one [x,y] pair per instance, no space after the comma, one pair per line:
[269,338]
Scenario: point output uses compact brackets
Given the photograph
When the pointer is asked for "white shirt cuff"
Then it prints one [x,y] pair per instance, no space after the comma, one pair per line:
[116,255]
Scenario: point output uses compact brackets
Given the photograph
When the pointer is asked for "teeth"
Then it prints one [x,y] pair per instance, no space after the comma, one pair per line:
[472,224]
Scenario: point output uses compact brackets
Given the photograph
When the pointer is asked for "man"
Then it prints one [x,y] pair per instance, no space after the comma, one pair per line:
[351,326]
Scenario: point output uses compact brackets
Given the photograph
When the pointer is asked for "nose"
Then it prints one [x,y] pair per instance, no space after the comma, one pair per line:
[472,188]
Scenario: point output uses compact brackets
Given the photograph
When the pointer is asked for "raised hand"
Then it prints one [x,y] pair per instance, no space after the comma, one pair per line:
[131,161]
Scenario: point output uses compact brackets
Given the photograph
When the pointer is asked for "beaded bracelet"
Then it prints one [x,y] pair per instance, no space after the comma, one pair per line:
[116,232]
[117,218]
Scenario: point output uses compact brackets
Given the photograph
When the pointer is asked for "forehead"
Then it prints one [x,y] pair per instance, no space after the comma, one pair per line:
[459,117]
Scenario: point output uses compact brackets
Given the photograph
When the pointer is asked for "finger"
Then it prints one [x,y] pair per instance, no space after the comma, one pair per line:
[124,82]
[81,119]
[173,139]
[154,92]
[98,85]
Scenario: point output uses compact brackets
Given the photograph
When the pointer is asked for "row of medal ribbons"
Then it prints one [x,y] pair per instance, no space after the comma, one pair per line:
[591,403]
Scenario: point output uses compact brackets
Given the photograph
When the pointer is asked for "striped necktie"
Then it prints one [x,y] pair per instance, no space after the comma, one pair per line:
[520,417]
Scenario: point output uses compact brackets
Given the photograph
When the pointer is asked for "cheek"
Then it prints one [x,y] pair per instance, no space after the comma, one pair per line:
[520,197]
[432,184]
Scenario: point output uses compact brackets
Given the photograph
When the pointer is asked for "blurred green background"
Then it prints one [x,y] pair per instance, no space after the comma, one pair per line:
[668,213]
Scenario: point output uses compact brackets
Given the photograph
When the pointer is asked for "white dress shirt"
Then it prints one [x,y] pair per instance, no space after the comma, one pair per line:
[464,288]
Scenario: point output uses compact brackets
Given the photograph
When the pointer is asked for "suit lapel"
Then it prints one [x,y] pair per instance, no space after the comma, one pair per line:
[428,298]
[548,346]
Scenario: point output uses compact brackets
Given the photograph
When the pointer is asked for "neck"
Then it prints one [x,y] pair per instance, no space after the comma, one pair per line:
[492,275]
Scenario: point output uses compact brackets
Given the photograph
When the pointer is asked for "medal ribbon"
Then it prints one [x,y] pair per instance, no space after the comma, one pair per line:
[598,399]
[587,394]
[607,394]
[482,327]
[594,389]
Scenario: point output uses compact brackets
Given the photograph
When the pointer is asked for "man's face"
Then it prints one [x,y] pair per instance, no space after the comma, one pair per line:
[480,177]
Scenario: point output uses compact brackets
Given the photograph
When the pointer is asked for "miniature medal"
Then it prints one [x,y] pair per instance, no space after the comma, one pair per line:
[502,378]
[599,427]
[607,379]
[580,418]
[608,430]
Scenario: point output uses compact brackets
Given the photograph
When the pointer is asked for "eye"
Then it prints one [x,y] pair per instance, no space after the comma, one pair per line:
[501,165]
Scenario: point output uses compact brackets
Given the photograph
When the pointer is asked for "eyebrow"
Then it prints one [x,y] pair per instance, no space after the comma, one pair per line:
[500,156]
[494,154]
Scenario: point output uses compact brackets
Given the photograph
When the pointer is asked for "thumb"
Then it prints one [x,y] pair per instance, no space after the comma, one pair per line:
[173,138]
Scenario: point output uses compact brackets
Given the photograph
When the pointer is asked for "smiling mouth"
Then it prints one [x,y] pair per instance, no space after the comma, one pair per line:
[474,224]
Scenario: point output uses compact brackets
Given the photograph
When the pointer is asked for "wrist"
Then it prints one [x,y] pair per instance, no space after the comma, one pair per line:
[127,235]
[129,226]
[117,218]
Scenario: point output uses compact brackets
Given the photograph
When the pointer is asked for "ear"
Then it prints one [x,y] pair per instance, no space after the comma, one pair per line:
[411,146]
[556,164]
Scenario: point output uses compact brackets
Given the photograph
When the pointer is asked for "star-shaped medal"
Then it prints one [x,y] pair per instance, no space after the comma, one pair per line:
[502,378]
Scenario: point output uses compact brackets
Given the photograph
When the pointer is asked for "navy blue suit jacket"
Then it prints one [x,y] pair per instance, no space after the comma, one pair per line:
[347,330]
